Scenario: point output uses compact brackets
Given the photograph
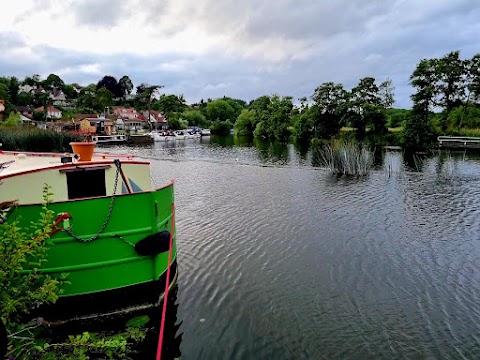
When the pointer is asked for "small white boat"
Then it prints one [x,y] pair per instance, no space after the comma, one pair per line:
[109,139]
[205,132]
[156,136]
[179,135]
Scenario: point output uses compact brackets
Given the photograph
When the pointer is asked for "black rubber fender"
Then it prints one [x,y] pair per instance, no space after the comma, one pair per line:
[153,244]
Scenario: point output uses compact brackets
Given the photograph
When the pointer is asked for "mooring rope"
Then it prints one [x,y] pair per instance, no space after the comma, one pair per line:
[167,283]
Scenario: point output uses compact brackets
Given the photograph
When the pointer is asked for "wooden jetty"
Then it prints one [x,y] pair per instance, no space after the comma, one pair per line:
[466,142]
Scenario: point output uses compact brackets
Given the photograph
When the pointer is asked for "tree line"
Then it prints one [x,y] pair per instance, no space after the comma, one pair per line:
[445,101]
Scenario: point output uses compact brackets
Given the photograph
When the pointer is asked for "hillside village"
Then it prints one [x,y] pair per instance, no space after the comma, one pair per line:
[108,106]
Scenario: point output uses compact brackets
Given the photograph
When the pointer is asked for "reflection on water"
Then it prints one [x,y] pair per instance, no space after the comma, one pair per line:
[280,260]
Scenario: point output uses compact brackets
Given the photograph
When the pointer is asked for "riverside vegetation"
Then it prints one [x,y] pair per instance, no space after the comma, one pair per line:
[24,288]
[449,85]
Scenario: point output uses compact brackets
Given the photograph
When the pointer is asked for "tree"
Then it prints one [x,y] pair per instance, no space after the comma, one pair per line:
[52,81]
[328,99]
[111,84]
[386,93]
[169,104]
[450,72]
[12,120]
[13,88]
[103,98]
[363,96]
[424,80]
[417,132]
[194,118]
[86,98]
[24,99]
[145,94]
[220,110]
[246,123]
[126,85]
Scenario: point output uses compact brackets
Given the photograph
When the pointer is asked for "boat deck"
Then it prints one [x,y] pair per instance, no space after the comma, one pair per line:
[14,162]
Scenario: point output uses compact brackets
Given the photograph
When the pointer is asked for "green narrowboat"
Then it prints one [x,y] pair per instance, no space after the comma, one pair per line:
[114,233]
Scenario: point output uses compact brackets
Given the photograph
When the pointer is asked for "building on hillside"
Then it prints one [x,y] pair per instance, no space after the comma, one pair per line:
[26,111]
[157,119]
[52,112]
[97,125]
[58,97]
[125,113]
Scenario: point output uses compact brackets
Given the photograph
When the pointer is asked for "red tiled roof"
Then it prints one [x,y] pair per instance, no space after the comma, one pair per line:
[49,108]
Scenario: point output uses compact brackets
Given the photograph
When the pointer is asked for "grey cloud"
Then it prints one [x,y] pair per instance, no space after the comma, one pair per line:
[10,41]
[100,13]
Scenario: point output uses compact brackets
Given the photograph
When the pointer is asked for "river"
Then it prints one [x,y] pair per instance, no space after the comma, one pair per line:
[280,260]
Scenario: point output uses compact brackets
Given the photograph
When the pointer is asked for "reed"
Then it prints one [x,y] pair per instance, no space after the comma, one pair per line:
[347,158]
[33,139]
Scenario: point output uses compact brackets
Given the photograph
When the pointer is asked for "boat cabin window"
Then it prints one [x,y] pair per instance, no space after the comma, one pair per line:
[82,184]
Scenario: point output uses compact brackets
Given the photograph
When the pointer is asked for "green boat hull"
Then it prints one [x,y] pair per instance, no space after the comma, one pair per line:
[110,261]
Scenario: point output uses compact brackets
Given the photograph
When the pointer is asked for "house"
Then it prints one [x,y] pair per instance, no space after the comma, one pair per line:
[58,98]
[26,111]
[25,88]
[97,125]
[52,112]
[125,113]
[138,123]
[157,119]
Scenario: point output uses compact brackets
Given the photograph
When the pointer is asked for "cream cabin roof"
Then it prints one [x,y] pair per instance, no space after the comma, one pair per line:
[12,163]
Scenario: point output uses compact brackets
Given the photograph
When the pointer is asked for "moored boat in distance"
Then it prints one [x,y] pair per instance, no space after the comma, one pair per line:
[113,233]
[140,139]
[109,139]
[205,132]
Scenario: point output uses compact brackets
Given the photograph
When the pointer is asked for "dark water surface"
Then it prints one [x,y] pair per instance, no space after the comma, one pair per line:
[280,260]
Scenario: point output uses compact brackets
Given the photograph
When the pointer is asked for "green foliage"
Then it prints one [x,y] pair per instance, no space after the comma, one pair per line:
[195,118]
[24,287]
[246,123]
[396,117]
[33,139]
[329,100]
[220,110]
[169,104]
[103,98]
[175,122]
[53,80]
[221,127]
[12,120]
[418,132]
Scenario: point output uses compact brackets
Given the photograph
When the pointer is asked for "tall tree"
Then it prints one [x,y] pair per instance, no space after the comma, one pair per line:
[450,71]
[220,110]
[111,84]
[424,80]
[386,93]
[103,99]
[328,103]
[126,85]
[53,80]
[146,93]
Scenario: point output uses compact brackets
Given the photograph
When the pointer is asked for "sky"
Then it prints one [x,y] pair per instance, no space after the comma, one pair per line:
[242,49]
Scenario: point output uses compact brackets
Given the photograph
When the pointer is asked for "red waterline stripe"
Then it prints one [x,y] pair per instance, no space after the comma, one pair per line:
[167,283]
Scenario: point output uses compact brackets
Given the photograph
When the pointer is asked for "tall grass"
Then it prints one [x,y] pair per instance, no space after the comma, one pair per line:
[347,158]
[32,139]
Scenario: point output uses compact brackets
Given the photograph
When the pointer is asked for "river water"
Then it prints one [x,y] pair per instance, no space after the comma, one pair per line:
[280,260]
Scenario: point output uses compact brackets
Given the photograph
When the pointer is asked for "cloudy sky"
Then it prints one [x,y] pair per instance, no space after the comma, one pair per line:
[242,49]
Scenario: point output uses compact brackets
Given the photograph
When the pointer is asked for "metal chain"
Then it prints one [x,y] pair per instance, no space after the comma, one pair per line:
[94,237]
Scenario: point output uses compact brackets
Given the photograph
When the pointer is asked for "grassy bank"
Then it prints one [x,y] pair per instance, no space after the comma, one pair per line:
[33,139]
